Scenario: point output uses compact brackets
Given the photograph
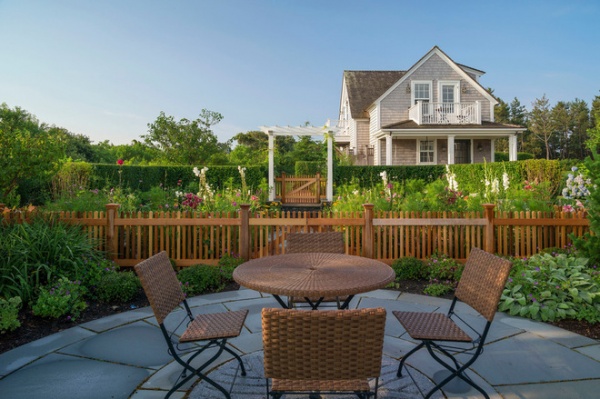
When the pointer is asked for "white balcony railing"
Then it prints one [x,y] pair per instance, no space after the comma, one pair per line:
[425,113]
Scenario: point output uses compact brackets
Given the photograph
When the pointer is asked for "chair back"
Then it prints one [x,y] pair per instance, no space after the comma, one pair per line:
[323,345]
[160,284]
[329,242]
[482,282]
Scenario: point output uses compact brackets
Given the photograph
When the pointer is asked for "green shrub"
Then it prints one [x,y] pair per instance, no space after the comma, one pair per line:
[36,253]
[200,279]
[115,286]
[443,273]
[409,268]
[551,287]
[439,289]
[227,265]
[9,314]
[65,298]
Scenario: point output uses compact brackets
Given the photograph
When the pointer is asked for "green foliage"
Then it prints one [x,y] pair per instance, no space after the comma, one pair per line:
[311,168]
[28,150]
[589,244]
[369,176]
[551,287]
[439,289]
[9,314]
[65,298]
[36,253]
[409,268]
[227,263]
[503,156]
[201,279]
[185,142]
[443,273]
[117,286]
[71,178]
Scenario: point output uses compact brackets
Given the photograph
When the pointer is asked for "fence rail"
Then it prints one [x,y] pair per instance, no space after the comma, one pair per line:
[192,237]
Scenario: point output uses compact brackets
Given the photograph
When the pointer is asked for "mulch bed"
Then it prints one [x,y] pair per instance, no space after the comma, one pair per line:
[34,327]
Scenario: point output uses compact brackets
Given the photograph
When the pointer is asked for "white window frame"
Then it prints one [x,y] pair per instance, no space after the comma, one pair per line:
[434,162]
[413,91]
[455,83]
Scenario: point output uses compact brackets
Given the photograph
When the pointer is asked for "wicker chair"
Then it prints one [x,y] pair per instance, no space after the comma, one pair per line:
[328,242]
[164,293]
[335,351]
[481,285]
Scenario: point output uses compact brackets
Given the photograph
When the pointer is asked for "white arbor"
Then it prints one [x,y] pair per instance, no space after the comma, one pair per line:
[325,132]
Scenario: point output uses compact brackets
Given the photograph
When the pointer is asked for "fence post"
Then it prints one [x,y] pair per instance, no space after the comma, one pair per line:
[489,228]
[318,190]
[367,250]
[111,236]
[245,231]
[283,187]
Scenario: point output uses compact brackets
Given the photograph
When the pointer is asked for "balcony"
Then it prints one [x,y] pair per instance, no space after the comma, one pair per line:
[425,113]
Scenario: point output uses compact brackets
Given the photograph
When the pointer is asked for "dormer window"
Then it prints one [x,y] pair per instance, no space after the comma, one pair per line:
[421,91]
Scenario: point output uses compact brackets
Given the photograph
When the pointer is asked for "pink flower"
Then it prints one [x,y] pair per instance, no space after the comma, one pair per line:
[119,162]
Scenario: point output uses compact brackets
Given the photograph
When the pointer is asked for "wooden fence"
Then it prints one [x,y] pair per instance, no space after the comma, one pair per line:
[193,238]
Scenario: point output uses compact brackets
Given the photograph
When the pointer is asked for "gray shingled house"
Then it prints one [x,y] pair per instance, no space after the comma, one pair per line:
[436,112]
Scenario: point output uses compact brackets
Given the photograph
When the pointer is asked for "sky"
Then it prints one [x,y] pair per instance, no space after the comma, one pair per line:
[106,69]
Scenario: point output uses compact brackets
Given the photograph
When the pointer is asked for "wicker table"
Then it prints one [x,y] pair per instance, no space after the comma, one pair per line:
[314,275]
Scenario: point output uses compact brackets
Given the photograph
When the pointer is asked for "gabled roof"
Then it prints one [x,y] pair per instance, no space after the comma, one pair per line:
[364,87]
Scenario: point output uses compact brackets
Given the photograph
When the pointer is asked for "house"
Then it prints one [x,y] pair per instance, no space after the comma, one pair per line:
[436,112]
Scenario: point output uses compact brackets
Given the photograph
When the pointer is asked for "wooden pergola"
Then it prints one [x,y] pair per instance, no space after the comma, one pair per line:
[325,131]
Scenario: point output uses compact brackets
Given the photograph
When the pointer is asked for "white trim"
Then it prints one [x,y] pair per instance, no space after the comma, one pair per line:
[453,65]
[413,83]
[455,84]
[419,151]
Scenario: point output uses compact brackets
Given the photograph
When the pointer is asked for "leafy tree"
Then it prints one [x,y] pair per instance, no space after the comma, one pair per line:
[540,122]
[561,121]
[76,146]
[593,141]
[184,142]
[502,112]
[580,115]
[28,150]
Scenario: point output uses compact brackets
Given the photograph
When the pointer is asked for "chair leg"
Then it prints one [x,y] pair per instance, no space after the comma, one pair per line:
[413,350]
[454,371]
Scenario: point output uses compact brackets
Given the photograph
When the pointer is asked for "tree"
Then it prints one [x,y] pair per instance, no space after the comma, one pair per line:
[540,122]
[593,141]
[561,122]
[184,142]
[28,150]
[580,116]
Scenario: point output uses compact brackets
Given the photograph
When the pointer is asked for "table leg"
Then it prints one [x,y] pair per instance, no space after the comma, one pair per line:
[281,302]
[347,302]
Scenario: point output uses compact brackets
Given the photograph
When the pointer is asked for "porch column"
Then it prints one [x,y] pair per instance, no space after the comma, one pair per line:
[388,149]
[450,150]
[512,147]
[271,167]
[329,166]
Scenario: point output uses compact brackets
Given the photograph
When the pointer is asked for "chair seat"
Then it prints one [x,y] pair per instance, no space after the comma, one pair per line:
[431,326]
[215,325]
[319,385]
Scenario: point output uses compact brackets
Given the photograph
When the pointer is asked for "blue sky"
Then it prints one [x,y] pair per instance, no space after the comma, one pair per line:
[107,68]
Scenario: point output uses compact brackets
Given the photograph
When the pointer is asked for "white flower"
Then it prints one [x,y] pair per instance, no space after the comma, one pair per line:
[505,181]
[495,186]
[196,171]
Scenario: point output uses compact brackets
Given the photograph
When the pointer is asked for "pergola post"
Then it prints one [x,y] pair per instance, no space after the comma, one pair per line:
[271,166]
[329,192]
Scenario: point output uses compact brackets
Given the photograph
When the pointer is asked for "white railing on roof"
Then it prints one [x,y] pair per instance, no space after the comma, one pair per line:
[425,113]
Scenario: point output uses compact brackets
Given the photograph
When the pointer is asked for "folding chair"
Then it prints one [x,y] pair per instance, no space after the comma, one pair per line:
[164,293]
[481,285]
[327,242]
[322,351]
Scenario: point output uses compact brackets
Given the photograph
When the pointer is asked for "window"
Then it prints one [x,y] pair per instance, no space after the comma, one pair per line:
[421,91]
[426,151]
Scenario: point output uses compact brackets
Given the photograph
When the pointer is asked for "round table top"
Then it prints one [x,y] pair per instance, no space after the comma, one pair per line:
[313,274]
